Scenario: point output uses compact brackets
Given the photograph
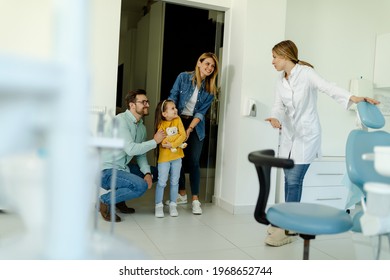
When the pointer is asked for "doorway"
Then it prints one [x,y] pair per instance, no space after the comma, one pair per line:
[189,32]
[186,32]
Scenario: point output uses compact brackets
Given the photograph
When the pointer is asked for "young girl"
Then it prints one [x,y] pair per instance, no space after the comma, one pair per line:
[170,154]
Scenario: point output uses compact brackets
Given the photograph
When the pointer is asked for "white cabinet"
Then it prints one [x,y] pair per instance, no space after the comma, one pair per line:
[323,182]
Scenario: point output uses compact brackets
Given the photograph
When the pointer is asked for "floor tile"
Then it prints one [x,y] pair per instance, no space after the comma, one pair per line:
[227,254]
[242,235]
[214,235]
[292,251]
[172,240]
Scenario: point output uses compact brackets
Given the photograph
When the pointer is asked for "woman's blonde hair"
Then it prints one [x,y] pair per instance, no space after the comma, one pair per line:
[289,50]
[210,81]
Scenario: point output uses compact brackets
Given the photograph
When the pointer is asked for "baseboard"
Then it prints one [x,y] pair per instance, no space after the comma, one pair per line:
[233,209]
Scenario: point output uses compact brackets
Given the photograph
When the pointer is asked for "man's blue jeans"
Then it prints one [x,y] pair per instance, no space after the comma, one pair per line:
[165,169]
[129,185]
[293,181]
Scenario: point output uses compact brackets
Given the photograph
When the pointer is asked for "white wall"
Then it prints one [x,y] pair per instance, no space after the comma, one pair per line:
[338,38]
[105,27]
[27,28]
[251,29]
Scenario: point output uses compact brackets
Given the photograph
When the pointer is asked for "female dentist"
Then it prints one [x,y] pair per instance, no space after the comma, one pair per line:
[295,113]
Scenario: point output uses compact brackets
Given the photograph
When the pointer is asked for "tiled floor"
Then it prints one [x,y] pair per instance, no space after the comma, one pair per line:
[215,235]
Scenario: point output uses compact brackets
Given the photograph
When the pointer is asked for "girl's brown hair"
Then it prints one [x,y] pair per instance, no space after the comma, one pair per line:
[161,107]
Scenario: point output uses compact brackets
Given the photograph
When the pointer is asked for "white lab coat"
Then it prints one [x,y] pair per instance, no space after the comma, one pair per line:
[296,109]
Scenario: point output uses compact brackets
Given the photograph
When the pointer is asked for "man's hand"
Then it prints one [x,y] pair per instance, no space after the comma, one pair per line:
[159,136]
[148,179]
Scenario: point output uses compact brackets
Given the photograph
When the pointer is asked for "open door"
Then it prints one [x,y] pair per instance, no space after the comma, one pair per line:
[168,40]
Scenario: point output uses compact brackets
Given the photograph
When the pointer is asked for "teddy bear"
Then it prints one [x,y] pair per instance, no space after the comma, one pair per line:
[172,131]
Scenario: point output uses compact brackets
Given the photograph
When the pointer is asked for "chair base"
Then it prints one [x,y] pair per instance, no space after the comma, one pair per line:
[306,244]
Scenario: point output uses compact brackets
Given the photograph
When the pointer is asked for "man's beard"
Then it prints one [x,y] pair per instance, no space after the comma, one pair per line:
[143,112]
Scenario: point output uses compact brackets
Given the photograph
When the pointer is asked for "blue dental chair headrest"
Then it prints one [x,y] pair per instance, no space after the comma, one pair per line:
[370,115]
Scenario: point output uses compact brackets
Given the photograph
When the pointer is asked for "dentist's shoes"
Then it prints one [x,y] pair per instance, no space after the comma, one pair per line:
[277,237]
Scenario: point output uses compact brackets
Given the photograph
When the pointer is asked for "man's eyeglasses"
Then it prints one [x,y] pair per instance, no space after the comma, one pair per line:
[144,102]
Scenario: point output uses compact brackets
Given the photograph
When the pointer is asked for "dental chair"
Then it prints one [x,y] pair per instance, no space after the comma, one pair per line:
[306,219]
[361,171]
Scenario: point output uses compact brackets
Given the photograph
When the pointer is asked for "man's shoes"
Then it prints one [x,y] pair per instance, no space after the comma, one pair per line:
[122,207]
[106,214]
[278,237]
[181,199]
[196,210]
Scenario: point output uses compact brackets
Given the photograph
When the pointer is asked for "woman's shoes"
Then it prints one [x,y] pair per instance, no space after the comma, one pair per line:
[196,210]
[181,199]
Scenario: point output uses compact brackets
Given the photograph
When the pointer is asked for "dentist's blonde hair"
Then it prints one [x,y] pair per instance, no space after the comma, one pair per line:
[289,50]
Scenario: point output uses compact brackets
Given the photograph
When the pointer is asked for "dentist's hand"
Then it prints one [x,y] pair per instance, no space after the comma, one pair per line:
[274,122]
[357,99]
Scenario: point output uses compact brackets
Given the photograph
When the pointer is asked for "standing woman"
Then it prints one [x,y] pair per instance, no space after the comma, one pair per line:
[295,113]
[193,93]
